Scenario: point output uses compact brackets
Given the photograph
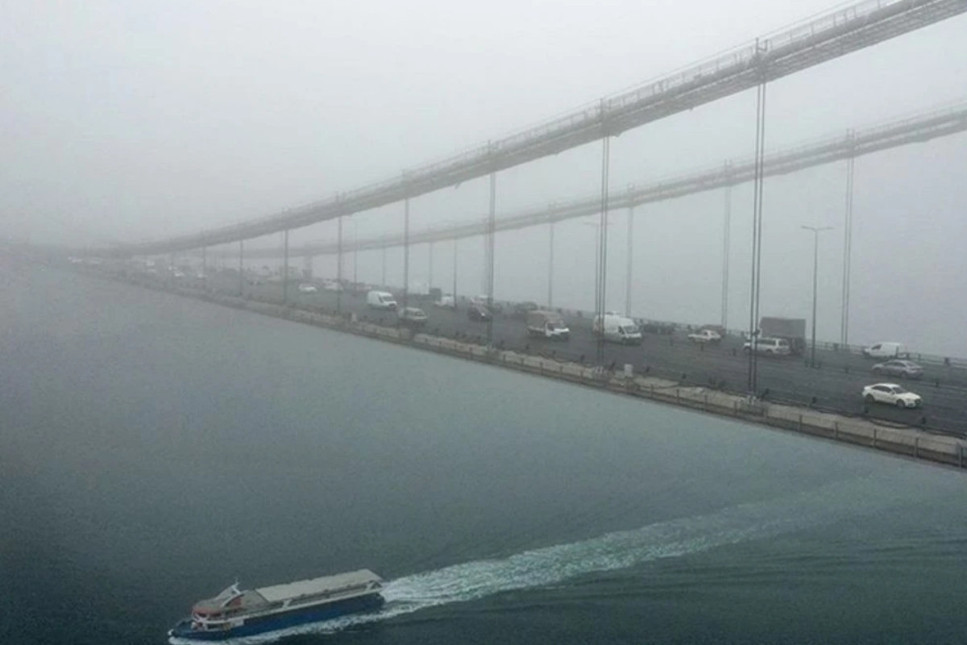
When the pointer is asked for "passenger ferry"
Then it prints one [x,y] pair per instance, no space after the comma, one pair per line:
[236,612]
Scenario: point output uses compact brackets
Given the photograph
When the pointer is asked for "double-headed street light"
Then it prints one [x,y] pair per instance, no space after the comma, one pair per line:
[816,230]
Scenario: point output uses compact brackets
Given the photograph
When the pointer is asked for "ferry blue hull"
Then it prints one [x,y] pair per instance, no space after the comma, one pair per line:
[273,622]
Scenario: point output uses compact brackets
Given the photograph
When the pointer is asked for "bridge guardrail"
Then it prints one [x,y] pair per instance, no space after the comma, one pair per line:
[860,431]
[920,357]
[562,362]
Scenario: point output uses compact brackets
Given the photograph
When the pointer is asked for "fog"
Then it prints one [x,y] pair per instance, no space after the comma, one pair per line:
[127,122]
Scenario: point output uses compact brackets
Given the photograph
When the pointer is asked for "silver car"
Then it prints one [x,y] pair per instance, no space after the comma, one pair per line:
[903,369]
[412,316]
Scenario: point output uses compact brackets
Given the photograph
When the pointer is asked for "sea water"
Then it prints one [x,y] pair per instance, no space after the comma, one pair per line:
[154,449]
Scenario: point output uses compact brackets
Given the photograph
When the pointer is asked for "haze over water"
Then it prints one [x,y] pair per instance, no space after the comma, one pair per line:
[153,449]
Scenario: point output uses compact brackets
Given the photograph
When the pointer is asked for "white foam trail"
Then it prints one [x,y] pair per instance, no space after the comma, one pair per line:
[618,550]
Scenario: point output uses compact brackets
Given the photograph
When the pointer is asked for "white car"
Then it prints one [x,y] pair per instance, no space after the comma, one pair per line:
[891,394]
[446,302]
[705,336]
[483,301]
[305,287]
[769,346]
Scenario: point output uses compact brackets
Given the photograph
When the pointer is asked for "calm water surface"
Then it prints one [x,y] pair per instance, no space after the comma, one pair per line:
[154,449]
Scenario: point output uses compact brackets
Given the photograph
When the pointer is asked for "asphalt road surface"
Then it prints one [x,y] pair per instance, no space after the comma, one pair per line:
[834,384]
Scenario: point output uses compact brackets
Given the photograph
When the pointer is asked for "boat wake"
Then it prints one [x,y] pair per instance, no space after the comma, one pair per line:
[619,550]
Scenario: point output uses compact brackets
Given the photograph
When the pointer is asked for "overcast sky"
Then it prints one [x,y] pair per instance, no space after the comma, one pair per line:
[127,121]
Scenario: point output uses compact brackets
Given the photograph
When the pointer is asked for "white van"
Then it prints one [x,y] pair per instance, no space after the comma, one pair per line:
[381,300]
[617,329]
[886,350]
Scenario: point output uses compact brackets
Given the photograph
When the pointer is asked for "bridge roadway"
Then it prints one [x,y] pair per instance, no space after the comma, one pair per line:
[836,383]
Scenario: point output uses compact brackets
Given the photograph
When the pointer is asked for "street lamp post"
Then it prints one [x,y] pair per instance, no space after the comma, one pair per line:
[816,230]
[383,279]
[601,302]
[455,273]
[629,255]
[355,252]
[550,271]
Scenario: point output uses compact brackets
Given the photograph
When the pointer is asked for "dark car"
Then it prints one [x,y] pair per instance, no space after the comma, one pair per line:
[652,327]
[522,308]
[904,369]
[412,317]
[479,313]
[492,306]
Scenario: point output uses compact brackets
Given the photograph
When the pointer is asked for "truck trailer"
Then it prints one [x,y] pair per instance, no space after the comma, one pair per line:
[792,330]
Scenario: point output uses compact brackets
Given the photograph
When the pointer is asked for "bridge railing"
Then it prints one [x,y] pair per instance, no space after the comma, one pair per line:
[715,380]
[911,128]
[727,377]
[592,114]
[920,357]
[786,51]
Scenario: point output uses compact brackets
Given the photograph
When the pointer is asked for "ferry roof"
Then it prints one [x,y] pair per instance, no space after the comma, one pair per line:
[231,598]
[318,585]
